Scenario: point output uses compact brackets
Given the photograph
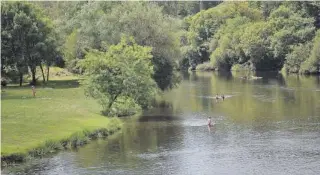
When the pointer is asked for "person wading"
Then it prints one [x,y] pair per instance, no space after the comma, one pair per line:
[209,122]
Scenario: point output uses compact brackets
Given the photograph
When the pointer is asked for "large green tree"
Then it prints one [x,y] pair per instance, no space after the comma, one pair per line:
[100,24]
[312,63]
[26,38]
[122,74]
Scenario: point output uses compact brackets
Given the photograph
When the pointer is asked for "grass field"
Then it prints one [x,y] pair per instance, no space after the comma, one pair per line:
[59,110]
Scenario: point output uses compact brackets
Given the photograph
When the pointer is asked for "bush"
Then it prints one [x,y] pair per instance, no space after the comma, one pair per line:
[4,82]
[183,64]
[190,57]
[207,66]
[242,67]
[295,58]
[121,77]
[72,66]
[123,107]
[312,64]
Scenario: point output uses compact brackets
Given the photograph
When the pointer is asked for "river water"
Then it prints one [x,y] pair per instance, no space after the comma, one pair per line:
[264,126]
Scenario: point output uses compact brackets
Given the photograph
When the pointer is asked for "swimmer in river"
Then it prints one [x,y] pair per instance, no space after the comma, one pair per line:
[210,125]
[209,122]
[217,97]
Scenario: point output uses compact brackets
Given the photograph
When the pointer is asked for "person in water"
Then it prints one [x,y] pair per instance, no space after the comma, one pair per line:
[222,97]
[209,122]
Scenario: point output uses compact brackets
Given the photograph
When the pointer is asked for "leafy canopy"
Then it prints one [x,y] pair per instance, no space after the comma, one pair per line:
[122,73]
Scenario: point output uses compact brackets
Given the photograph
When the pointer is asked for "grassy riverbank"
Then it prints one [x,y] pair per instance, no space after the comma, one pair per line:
[60,116]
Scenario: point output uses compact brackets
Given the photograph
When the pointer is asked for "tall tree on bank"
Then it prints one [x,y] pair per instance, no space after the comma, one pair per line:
[122,75]
[100,24]
[26,30]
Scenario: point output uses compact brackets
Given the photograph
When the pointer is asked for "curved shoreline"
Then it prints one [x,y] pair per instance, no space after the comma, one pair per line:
[51,147]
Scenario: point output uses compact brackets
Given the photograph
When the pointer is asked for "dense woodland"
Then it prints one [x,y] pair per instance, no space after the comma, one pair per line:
[130,50]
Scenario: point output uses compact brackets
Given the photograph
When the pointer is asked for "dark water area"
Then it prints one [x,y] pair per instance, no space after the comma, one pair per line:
[264,126]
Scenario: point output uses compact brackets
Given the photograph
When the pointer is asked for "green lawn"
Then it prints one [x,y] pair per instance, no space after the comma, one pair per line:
[59,110]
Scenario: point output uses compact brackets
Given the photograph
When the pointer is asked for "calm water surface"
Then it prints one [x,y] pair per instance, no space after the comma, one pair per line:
[265,126]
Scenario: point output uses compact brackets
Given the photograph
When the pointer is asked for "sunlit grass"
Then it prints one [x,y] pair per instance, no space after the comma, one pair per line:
[59,110]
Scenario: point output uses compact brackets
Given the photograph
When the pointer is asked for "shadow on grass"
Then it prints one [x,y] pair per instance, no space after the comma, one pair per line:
[54,84]
[15,97]
[61,84]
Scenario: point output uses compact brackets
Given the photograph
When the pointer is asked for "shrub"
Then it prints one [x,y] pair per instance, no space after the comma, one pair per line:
[206,66]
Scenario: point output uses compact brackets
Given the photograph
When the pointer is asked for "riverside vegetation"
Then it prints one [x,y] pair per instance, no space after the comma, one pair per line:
[125,53]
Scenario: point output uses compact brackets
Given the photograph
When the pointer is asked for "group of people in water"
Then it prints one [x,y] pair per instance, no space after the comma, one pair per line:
[218,97]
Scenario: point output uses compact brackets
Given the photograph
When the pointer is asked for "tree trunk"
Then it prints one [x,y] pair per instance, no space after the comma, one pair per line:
[33,73]
[111,103]
[48,68]
[20,78]
[201,5]
[43,77]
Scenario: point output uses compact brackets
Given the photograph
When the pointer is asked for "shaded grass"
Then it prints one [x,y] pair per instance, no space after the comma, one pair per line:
[59,117]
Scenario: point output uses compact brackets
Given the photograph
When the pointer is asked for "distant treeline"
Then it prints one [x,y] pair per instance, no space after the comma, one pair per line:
[255,36]
[228,35]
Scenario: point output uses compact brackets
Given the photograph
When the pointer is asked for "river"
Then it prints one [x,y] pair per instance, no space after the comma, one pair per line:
[264,126]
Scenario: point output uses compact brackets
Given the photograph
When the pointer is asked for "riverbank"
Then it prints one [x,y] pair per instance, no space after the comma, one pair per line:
[209,67]
[59,117]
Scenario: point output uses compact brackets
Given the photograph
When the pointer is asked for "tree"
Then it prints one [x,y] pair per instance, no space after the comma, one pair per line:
[312,63]
[13,49]
[203,26]
[122,74]
[99,24]
[295,58]
[261,44]
[289,28]
[265,7]
[26,30]
[149,27]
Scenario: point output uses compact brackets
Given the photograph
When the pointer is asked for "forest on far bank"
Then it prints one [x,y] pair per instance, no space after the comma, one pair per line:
[227,35]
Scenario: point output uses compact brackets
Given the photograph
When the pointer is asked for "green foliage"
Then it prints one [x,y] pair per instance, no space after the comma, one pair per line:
[295,58]
[185,8]
[207,66]
[149,27]
[123,74]
[70,49]
[101,24]
[233,42]
[190,57]
[289,28]
[205,24]
[179,8]
[312,64]
[255,45]
[72,52]
[243,37]
[212,25]
[241,67]
[259,34]
[27,37]
[265,7]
